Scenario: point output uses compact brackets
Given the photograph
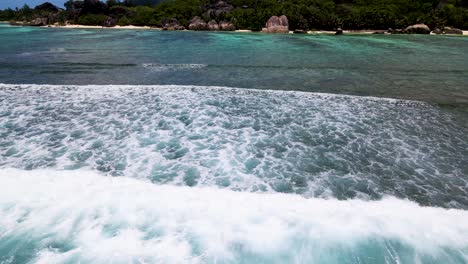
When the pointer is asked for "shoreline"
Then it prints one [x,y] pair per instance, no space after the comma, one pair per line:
[310,32]
[75,26]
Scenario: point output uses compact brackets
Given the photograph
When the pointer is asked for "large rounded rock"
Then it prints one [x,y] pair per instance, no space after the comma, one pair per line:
[172,24]
[452,31]
[213,25]
[436,31]
[38,22]
[197,24]
[226,26]
[277,25]
[418,29]
[284,21]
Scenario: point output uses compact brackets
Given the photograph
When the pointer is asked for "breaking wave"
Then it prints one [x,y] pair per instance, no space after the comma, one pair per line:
[51,216]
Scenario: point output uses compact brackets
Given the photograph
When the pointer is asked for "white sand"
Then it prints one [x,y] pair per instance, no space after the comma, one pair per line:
[331,32]
[100,27]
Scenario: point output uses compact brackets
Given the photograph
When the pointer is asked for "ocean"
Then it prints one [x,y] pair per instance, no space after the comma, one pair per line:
[143,146]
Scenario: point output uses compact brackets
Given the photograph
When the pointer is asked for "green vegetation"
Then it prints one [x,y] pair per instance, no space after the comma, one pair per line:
[252,14]
[92,19]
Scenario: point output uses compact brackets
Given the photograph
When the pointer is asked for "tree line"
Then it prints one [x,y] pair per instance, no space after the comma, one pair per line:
[252,14]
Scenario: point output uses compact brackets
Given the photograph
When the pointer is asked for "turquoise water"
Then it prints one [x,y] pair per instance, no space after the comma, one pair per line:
[121,146]
[428,68]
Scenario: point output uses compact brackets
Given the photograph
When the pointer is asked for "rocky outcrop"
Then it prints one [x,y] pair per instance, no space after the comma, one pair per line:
[17,23]
[197,24]
[300,31]
[452,31]
[172,24]
[277,25]
[217,9]
[418,29]
[38,22]
[213,25]
[395,31]
[226,26]
[447,30]
[339,31]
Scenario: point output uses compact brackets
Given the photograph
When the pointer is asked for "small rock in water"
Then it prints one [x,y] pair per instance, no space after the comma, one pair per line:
[300,31]
[339,31]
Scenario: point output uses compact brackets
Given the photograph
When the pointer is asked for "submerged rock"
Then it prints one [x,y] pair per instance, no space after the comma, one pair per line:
[277,25]
[197,24]
[213,25]
[418,29]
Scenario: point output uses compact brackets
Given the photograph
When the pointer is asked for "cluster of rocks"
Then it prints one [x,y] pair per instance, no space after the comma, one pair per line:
[277,25]
[46,14]
[199,24]
[218,9]
[425,29]
[172,24]
[447,30]
[38,21]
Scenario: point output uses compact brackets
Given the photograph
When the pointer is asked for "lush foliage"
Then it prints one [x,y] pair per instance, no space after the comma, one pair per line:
[252,14]
[92,19]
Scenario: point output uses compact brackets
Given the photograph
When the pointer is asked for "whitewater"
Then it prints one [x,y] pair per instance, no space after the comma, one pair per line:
[80,216]
[202,174]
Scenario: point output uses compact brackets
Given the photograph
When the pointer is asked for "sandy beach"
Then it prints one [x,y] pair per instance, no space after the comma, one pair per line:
[124,27]
[101,27]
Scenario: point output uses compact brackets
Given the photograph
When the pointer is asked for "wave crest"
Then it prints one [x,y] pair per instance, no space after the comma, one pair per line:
[63,216]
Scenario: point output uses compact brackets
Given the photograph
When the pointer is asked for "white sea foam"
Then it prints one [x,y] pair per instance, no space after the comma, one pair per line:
[155,67]
[316,145]
[71,216]
[57,50]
